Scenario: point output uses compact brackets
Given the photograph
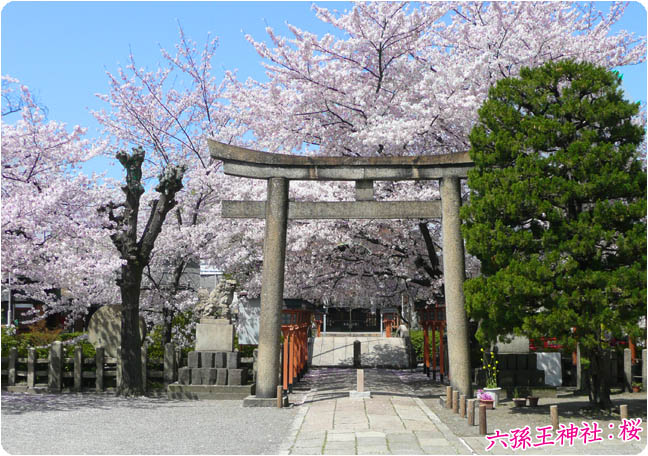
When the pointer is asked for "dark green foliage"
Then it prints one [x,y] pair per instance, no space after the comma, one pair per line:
[557,209]
[416,336]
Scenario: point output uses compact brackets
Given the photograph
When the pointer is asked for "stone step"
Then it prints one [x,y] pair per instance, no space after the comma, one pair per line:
[375,351]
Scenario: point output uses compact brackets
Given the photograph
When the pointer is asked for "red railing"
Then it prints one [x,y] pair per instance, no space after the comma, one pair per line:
[432,318]
[295,345]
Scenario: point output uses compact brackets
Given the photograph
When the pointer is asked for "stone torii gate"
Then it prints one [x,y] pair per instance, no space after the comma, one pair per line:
[280,169]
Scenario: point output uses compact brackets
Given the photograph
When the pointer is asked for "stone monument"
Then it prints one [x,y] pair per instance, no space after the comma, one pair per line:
[214,369]
[104,329]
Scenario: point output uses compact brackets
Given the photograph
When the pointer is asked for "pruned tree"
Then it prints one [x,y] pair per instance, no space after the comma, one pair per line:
[557,212]
[135,251]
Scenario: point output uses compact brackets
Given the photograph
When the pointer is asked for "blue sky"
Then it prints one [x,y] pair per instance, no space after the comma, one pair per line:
[62,50]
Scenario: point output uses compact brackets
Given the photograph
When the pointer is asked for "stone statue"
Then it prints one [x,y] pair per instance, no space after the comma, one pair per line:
[217,303]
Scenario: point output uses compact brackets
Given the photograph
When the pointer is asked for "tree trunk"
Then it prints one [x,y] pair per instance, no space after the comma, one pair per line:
[131,344]
[599,374]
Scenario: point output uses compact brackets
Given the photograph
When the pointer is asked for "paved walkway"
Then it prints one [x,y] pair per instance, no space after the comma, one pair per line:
[393,421]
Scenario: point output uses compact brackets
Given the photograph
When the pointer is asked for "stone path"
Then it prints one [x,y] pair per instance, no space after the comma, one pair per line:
[393,421]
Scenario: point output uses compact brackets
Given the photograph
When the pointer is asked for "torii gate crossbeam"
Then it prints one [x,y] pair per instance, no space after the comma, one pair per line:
[279,169]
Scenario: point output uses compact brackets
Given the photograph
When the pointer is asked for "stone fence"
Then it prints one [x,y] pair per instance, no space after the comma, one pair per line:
[59,374]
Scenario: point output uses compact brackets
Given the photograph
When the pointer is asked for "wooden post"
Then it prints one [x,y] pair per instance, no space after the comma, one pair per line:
[169,362]
[31,367]
[470,404]
[55,380]
[455,401]
[13,357]
[623,409]
[448,397]
[441,353]
[462,406]
[482,420]
[434,357]
[144,367]
[426,350]
[554,416]
[78,368]
[118,378]
[99,369]
[285,357]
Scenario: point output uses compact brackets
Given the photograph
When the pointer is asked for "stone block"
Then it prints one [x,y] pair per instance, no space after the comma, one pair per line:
[220,360]
[184,376]
[214,335]
[209,376]
[233,360]
[221,376]
[196,376]
[207,359]
[236,376]
[193,360]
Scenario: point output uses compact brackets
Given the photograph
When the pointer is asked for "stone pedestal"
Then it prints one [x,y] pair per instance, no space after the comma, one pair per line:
[214,370]
[216,335]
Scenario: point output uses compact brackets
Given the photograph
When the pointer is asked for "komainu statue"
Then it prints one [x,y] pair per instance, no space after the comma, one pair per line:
[217,303]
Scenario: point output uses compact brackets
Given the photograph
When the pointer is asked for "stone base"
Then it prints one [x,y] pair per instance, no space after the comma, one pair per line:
[27,389]
[253,401]
[360,394]
[177,391]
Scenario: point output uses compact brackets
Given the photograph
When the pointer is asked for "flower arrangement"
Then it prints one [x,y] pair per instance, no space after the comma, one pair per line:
[489,364]
[481,394]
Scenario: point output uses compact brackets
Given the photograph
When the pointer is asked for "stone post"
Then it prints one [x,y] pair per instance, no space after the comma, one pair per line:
[31,367]
[483,429]
[462,406]
[448,397]
[627,369]
[470,405]
[55,367]
[274,258]
[169,362]
[356,353]
[13,357]
[99,368]
[553,410]
[623,411]
[455,401]
[78,368]
[454,274]
[144,370]
[360,380]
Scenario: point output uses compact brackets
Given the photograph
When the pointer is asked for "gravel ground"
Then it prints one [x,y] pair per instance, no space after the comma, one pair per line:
[105,424]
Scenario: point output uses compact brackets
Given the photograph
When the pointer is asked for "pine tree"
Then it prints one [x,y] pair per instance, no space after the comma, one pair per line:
[557,212]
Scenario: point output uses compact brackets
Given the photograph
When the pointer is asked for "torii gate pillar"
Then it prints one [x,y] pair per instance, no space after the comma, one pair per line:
[274,260]
[453,278]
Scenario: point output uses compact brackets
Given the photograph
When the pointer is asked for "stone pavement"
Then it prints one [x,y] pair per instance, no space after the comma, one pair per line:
[403,416]
[393,421]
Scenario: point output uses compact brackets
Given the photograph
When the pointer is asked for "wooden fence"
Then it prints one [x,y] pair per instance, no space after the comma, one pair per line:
[100,373]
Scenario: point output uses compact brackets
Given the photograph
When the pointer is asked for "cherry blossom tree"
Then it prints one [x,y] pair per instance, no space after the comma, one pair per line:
[397,79]
[51,234]
[170,112]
